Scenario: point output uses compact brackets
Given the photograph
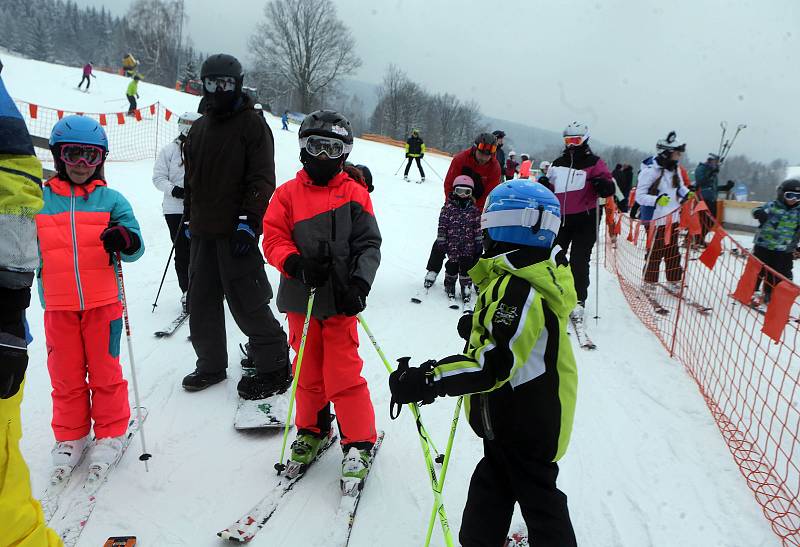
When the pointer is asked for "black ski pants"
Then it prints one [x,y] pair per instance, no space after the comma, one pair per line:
[181,249]
[85,79]
[577,237]
[131,103]
[419,166]
[780,261]
[453,267]
[507,475]
[214,274]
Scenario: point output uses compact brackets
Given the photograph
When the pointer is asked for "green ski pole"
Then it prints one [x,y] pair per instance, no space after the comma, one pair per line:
[424,441]
[280,466]
[442,476]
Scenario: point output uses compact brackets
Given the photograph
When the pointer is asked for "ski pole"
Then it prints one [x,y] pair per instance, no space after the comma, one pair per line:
[597,270]
[439,456]
[121,281]
[432,169]
[724,126]
[729,145]
[166,267]
[401,166]
[280,466]
[442,476]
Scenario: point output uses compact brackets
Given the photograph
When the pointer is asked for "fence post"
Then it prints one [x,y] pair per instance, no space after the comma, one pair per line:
[158,123]
[680,293]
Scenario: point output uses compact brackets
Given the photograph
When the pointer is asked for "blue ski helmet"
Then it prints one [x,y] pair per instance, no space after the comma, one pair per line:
[79,130]
[522,212]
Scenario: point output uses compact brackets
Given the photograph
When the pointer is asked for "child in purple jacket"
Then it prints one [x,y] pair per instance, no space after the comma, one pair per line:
[460,237]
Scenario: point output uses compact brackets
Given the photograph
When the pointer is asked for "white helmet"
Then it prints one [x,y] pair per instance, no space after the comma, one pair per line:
[186,120]
[576,129]
[512,154]
[671,143]
[544,166]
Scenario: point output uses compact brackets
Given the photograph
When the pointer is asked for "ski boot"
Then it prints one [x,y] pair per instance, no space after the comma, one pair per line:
[355,467]
[422,180]
[305,448]
[405,178]
[674,287]
[198,381]
[430,279]
[105,453]
[184,304]
[66,456]
[450,286]
[576,315]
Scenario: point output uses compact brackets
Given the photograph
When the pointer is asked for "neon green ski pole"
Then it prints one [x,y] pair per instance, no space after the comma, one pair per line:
[280,466]
[424,440]
[443,474]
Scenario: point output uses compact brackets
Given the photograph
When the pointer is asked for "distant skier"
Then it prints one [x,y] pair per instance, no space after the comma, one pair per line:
[778,237]
[83,227]
[20,177]
[168,173]
[129,64]
[525,167]
[623,174]
[518,372]
[660,191]
[459,237]
[705,180]
[579,178]
[230,177]
[415,150]
[500,155]
[544,167]
[475,162]
[285,120]
[512,166]
[321,233]
[87,74]
[132,93]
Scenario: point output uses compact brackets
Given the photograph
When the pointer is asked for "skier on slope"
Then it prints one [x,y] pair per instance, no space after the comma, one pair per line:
[321,233]
[20,176]
[415,151]
[512,166]
[459,237]
[132,93]
[87,75]
[230,176]
[168,173]
[578,179]
[661,189]
[518,371]
[776,242]
[82,228]
[500,154]
[475,162]
[525,167]
[544,167]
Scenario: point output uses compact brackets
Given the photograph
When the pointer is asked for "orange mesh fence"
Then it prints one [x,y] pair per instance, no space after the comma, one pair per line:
[394,142]
[700,298]
[130,138]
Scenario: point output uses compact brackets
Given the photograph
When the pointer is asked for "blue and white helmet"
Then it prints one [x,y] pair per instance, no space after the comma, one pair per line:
[523,212]
[80,130]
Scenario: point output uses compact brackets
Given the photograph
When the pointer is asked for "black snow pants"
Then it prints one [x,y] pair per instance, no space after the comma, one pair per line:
[131,103]
[419,166]
[181,249]
[85,79]
[780,261]
[214,274]
[505,476]
[577,237]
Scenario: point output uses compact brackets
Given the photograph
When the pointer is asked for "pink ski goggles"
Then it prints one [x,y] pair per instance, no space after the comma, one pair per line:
[89,155]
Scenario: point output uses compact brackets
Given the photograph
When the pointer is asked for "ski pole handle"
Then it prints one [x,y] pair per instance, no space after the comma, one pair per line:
[394,406]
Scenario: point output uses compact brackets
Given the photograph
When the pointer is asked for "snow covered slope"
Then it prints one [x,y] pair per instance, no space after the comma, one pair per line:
[647,465]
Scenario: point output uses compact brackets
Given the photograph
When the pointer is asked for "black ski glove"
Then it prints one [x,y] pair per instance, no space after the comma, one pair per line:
[119,239]
[177,192]
[728,186]
[312,272]
[465,326]
[603,187]
[354,299]
[412,384]
[244,239]
[760,215]
[13,362]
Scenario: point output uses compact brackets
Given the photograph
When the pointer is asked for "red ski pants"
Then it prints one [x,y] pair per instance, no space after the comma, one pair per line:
[84,345]
[331,372]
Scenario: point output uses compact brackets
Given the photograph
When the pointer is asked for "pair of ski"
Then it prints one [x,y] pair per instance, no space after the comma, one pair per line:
[467,304]
[170,329]
[248,525]
[661,310]
[579,328]
[79,509]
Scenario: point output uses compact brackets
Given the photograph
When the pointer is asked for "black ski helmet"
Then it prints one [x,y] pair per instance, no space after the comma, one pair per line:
[327,123]
[499,133]
[223,64]
[789,185]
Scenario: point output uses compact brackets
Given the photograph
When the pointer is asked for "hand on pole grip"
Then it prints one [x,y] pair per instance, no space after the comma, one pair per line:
[402,366]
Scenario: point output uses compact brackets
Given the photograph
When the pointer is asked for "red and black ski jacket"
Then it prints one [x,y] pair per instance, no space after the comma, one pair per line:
[334,221]
[485,176]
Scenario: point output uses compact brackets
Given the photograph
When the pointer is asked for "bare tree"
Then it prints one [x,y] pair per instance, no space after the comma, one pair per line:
[303,47]
[152,38]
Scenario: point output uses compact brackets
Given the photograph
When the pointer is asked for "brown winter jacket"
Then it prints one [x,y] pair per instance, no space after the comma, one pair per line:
[230,171]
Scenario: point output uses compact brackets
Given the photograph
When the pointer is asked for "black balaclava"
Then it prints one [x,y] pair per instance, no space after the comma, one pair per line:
[664,160]
[224,101]
[321,171]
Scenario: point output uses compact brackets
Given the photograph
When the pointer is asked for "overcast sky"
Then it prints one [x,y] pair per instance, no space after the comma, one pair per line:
[632,69]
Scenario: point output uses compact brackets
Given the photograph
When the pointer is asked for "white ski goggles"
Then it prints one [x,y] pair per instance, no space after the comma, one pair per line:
[224,83]
[317,144]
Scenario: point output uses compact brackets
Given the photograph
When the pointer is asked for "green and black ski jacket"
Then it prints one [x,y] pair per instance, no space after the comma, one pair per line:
[518,370]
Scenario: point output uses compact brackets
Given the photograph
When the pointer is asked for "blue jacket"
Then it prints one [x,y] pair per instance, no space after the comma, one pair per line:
[781,229]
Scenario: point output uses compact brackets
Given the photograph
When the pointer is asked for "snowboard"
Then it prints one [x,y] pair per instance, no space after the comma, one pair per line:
[261,413]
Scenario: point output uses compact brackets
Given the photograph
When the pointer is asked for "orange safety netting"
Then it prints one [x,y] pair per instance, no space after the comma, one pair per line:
[130,138]
[745,357]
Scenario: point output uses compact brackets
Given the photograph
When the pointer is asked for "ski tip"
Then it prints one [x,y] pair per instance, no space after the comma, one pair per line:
[416,300]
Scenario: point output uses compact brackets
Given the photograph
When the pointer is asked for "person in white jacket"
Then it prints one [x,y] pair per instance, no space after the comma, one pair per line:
[661,190]
[168,174]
